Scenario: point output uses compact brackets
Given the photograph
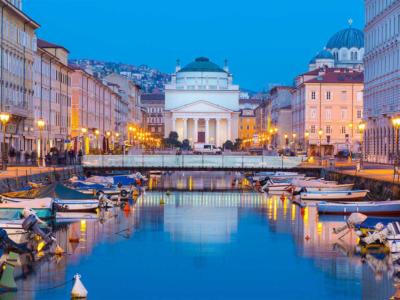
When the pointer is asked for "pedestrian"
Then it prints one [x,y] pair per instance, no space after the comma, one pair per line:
[80,154]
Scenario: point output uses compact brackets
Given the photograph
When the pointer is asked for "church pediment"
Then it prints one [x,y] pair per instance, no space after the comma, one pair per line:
[201,107]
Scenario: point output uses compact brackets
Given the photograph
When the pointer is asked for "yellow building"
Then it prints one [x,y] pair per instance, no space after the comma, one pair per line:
[247,126]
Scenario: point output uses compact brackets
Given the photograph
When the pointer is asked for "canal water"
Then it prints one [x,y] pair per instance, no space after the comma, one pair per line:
[219,244]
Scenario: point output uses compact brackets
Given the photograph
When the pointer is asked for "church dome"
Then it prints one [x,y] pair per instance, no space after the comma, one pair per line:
[202,64]
[347,38]
[324,54]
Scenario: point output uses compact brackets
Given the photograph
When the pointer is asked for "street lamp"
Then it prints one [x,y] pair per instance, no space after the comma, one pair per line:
[361,128]
[4,118]
[396,124]
[97,133]
[41,123]
[320,133]
[306,136]
[84,131]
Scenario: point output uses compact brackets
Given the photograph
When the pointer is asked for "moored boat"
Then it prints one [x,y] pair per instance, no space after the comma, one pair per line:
[43,207]
[330,187]
[85,205]
[384,208]
[356,195]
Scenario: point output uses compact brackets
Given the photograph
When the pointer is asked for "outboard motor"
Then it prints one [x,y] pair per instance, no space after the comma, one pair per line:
[32,222]
[9,245]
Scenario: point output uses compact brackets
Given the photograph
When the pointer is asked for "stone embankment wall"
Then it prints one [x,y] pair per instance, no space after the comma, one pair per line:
[21,179]
[380,190]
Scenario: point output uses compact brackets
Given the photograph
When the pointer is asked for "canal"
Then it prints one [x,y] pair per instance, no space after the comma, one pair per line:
[222,243]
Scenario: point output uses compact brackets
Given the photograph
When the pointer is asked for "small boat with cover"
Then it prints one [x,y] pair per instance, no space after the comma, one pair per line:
[383,208]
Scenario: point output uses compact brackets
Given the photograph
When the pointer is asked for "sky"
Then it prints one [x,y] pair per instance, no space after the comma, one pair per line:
[265,41]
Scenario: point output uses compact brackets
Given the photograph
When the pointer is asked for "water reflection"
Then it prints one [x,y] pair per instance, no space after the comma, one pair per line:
[231,242]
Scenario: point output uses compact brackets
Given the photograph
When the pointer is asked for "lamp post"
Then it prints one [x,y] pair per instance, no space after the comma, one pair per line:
[306,137]
[108,134]
[41,123]
[97,133]
[286,140]
[396,125]
[294,141]
[83,146]
[361,128]
[320,133]
[4,118]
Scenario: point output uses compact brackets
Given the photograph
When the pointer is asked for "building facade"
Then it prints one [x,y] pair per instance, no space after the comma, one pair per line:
[154,105]
[382,79]
[93,124]
[202,103]
[327,108]
[281,128]
[52,96]
[247,124]
[18,45]
[129,112]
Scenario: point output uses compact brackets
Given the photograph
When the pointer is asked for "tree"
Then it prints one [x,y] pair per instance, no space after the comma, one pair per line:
[185,144]
[228,145]
[237,145]
[172,140]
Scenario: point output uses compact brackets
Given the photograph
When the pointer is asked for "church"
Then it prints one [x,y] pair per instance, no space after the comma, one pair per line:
[202,103]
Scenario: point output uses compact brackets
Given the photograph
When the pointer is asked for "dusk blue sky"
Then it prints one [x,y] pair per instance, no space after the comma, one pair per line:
[265,41]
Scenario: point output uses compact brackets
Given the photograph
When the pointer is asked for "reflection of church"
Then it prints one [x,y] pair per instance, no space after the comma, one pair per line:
[202,103]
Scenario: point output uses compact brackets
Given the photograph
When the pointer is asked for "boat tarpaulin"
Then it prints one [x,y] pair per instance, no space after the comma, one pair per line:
[63,192]
[124,180]
[87,186]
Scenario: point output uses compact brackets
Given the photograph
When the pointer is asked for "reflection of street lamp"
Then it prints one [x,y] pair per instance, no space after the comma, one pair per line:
[361,128]
[320,133]
[294,140]
[286,140]
[41,123]
[4,118]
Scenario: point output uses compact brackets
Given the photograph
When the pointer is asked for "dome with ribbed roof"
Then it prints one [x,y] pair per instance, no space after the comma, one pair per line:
[347,38]
[324,54]
[202,64]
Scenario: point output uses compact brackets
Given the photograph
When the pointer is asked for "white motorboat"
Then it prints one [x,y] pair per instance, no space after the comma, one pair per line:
[356,195]
[64,217]
[43,207]
[74,205]
[330,187]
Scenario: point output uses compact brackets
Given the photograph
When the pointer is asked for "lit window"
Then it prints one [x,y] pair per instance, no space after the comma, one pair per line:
[313,95]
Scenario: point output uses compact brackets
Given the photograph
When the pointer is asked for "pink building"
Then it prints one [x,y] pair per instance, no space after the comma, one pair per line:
[327,108]
[92,113]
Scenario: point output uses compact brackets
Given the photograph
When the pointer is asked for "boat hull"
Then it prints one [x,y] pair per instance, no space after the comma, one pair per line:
[89,205]
[386,208]
[334,196]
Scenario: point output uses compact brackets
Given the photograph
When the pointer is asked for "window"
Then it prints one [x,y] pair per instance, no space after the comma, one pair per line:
[328,129]
[313,113]
[359,114]
[344,95]
[328,95]
[343,114]
[343,129]
[328,114]
[312,129]
[359,97]
[313,95]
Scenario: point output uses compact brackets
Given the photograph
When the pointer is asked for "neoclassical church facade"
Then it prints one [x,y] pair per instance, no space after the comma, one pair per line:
[202,103]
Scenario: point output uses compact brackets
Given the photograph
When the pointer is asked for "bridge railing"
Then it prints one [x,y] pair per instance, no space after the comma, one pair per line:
[190,161]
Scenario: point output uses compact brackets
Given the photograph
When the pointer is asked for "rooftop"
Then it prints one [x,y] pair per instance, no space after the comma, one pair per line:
[45,44]
[202,64]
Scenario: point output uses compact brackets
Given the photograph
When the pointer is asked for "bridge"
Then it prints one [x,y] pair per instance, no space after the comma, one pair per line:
[190,162]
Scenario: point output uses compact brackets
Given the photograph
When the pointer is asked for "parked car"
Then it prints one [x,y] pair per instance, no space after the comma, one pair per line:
[200,148]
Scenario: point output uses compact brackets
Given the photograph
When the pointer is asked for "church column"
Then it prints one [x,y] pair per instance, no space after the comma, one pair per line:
[217,142]
[196,130]
[229,129]
[185,132]
[174,124]
[207,130]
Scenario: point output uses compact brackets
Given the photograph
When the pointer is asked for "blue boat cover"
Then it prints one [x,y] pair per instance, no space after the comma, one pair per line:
[83,186]
[63,192]
[124,180]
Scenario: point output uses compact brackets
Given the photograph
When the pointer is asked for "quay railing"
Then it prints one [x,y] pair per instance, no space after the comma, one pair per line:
[191,161]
